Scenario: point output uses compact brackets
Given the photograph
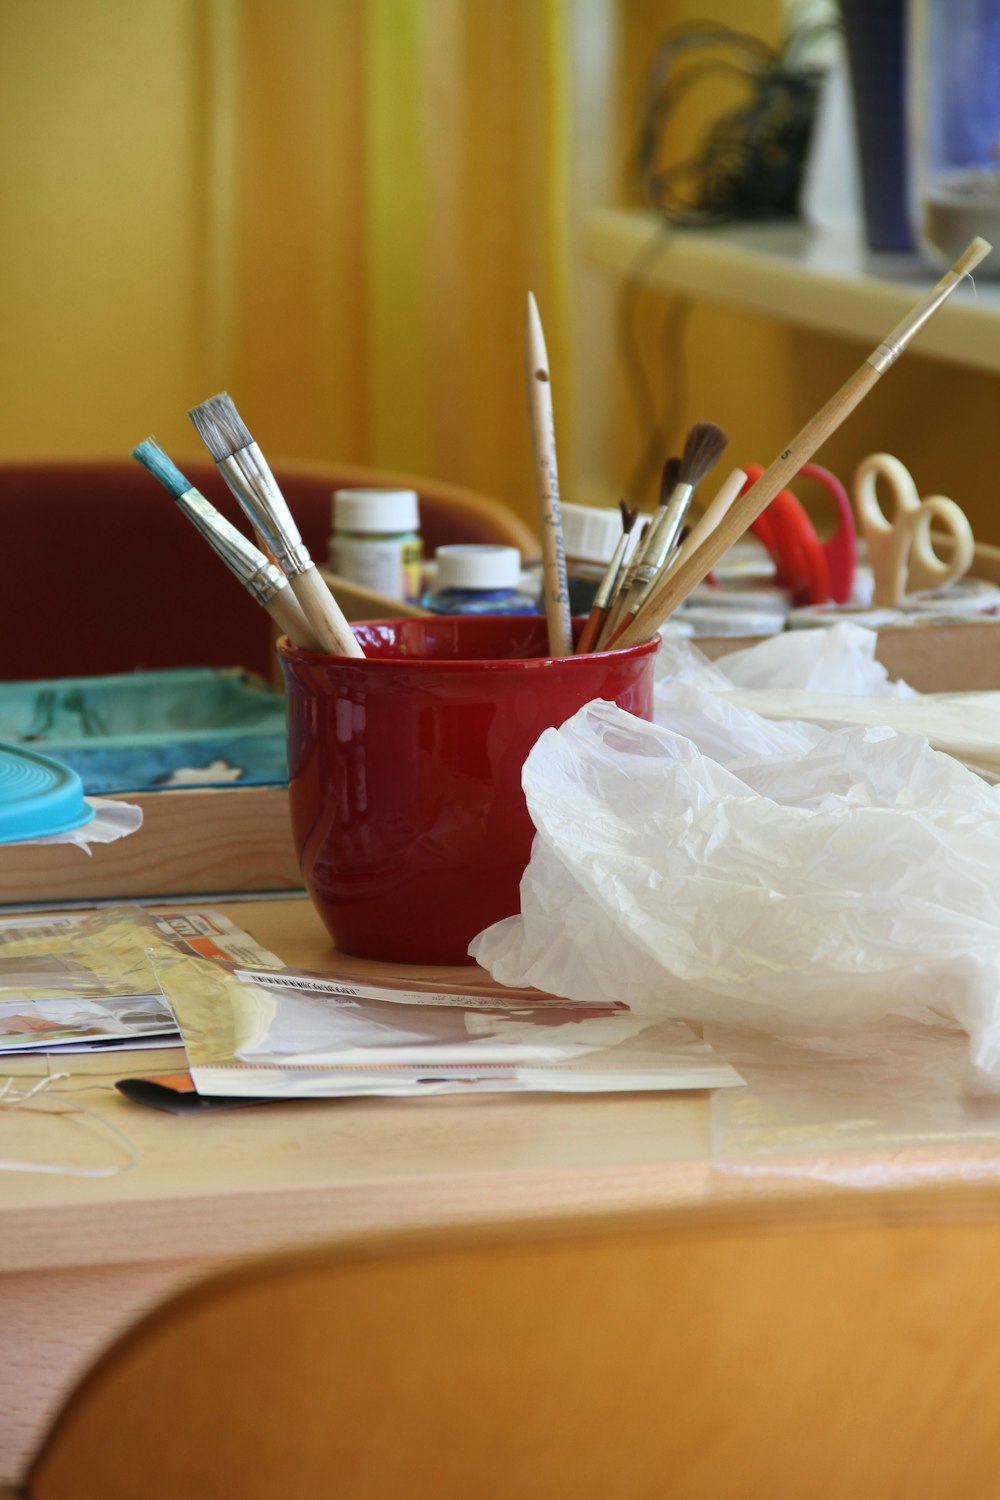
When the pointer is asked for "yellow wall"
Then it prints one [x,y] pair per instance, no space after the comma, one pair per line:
[98,116]
[334,208]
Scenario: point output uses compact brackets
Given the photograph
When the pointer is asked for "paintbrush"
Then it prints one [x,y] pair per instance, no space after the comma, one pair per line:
[543,442]
[606,587]
[246,471]
[702,528]
[669,478]
[709,519]
[703,448]
[626,577]
[262,579]
[687,575]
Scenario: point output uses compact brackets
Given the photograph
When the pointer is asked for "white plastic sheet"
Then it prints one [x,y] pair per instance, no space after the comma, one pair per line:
[885,1106]
[717,866]
[111,821]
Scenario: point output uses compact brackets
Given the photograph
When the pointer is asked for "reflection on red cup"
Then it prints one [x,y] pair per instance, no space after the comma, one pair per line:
[405,771]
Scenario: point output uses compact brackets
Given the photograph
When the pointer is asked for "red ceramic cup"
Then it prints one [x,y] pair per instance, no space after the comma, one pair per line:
[405,771]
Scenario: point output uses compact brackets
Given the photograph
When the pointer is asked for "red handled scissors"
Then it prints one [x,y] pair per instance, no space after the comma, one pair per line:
[815,571]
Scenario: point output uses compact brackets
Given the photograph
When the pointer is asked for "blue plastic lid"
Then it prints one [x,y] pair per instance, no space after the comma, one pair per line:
[38,796]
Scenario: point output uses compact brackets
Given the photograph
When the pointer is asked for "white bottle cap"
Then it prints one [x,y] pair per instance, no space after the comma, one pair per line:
[590,534]
[375,510]
[832,614]
[477,565]
[718,622]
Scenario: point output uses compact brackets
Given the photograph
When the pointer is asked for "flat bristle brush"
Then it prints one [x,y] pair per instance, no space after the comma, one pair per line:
[687,575]
[261,578]
[606,587]
[245,469]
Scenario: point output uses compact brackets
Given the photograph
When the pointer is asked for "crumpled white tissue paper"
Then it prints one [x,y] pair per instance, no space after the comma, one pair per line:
[718,866]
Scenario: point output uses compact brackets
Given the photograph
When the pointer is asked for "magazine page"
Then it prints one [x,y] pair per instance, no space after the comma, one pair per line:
[294,1034]
[77,980]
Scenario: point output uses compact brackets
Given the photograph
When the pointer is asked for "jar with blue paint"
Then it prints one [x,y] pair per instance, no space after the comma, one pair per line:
[477,578]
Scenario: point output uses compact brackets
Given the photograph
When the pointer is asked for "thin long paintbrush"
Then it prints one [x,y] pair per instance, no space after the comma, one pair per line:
[703,448]
[261,578]
[245,469]
[618,599]
[543,442]
[626,577]
[800,450]
[606,587]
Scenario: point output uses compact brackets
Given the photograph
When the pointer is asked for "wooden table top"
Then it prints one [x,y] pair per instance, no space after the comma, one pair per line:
[258,1178]
[261,1177]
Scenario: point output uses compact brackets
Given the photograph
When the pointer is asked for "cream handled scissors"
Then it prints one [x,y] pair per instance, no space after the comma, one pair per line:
[900,550]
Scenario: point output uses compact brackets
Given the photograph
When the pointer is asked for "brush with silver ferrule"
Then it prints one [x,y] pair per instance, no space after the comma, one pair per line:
[608,584]
[703,448]
[261,578]
[245,469]
[639,553]
[634,556]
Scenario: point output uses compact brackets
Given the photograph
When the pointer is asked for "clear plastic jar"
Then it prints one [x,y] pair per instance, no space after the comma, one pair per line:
[954,126]
[476,578]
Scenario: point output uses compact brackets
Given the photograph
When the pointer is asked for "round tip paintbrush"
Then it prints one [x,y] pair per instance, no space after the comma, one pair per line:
[626,574]
[703,448]
[606,587]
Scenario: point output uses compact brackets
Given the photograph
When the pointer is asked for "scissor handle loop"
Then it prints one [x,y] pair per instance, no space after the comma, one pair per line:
[900,549]
[927,569]
[871,517]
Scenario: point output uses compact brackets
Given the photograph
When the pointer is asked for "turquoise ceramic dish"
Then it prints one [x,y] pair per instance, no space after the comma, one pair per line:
[38,796]
[136,731]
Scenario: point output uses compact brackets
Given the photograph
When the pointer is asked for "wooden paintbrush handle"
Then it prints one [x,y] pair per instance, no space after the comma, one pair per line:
[286,612]
[326,619]
[591,630]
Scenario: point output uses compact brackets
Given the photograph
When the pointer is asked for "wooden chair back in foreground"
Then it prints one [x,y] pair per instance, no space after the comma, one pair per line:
[748,1355]
[105,575]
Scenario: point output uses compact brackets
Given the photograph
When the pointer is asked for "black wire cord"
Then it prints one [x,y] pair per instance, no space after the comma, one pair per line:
[748,167]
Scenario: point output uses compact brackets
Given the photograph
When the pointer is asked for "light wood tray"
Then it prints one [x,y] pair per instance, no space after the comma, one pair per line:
[193,841]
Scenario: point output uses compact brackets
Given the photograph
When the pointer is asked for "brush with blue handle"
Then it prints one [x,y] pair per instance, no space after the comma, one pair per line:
[261,578]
